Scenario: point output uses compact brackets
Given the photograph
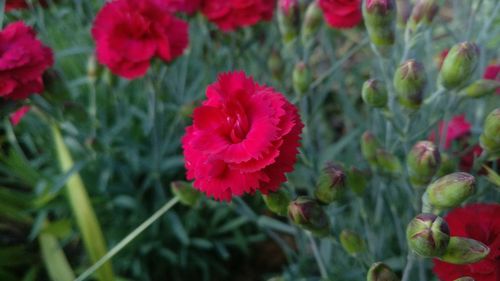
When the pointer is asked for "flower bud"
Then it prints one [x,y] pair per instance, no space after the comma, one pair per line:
[490,138]
[352,242]
[331,184]
[466,278]
[423,162]
[356,180]
[409,83]
[388,162]
[369,146]
[277,201]
[288,19]
[480,88]
[459,65]
[451,190]
[301,78]
[380,19]
[312,21]
[424,11]
[186,193]
[381,272]
[403,8]
[463,250]
[309,215]
[92,69]
[374,93]
[448,165]
[276,65]
[428,235]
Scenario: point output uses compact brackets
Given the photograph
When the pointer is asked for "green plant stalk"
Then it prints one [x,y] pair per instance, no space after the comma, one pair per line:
[125,241]
[79,201]
[54,259]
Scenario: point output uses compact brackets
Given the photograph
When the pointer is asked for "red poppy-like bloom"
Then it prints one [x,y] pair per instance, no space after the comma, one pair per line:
[129,33]
[244,138]
[229,15]
[23,59]
[17,115]
[492,72]
[480,222]
[341,13]
[183,6]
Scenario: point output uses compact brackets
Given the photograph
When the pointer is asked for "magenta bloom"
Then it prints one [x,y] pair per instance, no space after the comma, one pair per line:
[342,13]
[244,138]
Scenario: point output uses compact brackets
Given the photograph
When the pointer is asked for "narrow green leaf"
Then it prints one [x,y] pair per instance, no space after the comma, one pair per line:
[54,259]
[493,177]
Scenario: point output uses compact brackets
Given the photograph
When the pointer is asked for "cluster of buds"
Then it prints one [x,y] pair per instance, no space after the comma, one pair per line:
[380,20]
[309,215]
[381,272]
[409,83]
[378,157]
[490,138]
[459,64]
[423,162]
[331,184]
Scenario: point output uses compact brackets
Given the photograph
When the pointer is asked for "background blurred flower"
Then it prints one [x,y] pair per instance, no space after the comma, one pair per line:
[128,34]
[183,6]
[244,138]
[480,222]
[22,62]
[15,4]
[492,72]
[230,15]
[341,13]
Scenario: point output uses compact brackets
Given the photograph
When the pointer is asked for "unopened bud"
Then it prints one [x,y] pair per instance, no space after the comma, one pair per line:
[185,192]
[356,180]
[374,93]
[301,78]
[308,214]
[403,8]
[381,272]
[380,20]
[423,162]
[459,65]
[424,11]
[480,88]
[351,242]
[277,201]
[388,162]
[288,19]
[276,65]
[369,146]
[312,21]
[451,190]
[463,250]
[466,278]
[490,138]
[331,184]
[92,69]
[428,235]
[409,83]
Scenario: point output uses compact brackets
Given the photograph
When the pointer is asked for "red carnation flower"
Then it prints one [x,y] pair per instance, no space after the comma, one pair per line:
[18,115]
[229,15]
[480,222]
[492,72]
[244,138]
[456,128]
[22,62]
[15,4]
[183,6]
[341,13]
[129,33]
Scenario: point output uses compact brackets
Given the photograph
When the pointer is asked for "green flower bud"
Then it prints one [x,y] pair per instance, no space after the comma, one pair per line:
[490,138]
[428,235]
[466,278]
[186,193]
[351,242]
[288,19]
[448,165]
[301,78]
[424,11]
[462,250]
[409,83]
[380,19]
[381,272]
[309,215]
[276,65]
[388,162]
[356,180]
[312,21]
[403,9]
[369,146]
[92,69]
[277,201]
[423,162]
[451,190]
[331,184]
[459,65]
[374,93]
[480,88]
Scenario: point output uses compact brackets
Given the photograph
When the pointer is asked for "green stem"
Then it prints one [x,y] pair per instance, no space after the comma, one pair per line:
[125,241]
[317,256]
[409,265]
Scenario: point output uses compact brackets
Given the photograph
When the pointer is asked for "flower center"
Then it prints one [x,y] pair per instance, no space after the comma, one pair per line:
[238,122]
